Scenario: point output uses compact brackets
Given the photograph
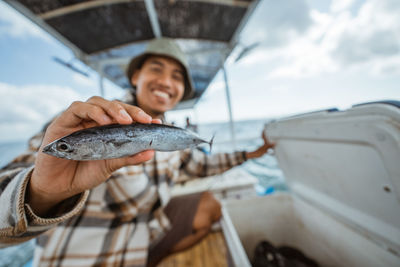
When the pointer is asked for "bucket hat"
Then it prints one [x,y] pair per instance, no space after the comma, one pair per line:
[164,47]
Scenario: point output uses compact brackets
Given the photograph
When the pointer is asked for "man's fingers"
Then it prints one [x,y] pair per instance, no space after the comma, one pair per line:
[157,121]
[137,113]
[102,112]
[266,140]
[89,112]
[113,108]
[264,136]
[78,112]
[138,158]
[121,112]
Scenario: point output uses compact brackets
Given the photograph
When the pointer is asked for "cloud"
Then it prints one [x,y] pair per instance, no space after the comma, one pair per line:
[372,34]
[304,56]
[84,81]
[277,22]
[339,5]
[337,40]
[215,88]
[24,110]
[353,49]
[389,66]
[16,25]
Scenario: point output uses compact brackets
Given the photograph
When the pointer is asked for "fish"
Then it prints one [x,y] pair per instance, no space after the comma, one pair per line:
[117,141]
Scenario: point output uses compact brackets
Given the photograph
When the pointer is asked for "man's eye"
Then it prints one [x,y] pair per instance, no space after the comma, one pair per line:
[178,77]
[158,70]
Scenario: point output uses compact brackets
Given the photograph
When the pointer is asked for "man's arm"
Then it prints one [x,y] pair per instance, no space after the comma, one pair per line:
[20,224]
[53,189]
[53,179]
[198,164]
[259,152]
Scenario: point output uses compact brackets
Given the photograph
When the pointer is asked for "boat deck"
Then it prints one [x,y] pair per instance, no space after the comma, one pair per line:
[210,252]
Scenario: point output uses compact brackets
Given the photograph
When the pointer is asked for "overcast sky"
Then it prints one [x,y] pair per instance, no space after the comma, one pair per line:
[313,54]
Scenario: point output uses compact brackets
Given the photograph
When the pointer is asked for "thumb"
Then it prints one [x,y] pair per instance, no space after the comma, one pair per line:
[141,157]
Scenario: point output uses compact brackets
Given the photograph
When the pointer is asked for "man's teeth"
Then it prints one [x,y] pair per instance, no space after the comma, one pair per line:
[161,94]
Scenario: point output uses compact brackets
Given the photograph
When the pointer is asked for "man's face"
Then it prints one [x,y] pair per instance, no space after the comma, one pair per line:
[160,84]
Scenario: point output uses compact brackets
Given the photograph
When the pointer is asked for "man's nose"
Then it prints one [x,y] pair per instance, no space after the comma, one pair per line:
[165,80]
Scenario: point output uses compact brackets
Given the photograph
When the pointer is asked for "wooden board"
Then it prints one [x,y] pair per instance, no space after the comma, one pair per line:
[211,251]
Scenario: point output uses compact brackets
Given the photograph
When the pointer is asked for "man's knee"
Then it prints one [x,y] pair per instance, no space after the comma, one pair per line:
[208,212]
[212,205]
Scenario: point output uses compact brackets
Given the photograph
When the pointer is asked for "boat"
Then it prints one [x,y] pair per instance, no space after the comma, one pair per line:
[341,166]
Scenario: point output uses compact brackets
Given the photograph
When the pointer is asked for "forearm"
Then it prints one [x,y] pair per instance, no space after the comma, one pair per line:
[257,153]
[198,164]
[18,222]
[44,203]
[47,206]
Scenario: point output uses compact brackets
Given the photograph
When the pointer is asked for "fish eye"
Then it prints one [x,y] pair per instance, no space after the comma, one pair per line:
[63,147]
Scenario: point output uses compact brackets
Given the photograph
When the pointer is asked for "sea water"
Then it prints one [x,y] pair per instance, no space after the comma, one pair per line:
[9,150]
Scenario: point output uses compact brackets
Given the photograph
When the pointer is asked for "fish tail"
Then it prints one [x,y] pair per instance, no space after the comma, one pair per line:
[211,142]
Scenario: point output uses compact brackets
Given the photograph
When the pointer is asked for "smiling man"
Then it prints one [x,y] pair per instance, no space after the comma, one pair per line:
[156,91]
[115,212]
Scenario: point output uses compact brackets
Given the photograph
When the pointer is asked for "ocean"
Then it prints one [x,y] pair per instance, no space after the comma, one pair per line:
[9,150]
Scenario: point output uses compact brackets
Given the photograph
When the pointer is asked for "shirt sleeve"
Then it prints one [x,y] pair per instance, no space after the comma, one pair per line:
[195,163]
[18,222]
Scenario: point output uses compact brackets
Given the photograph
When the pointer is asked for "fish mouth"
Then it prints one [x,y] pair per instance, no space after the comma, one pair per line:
[47,149]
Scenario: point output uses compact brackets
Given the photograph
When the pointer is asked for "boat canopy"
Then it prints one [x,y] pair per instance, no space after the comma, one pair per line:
[106,34]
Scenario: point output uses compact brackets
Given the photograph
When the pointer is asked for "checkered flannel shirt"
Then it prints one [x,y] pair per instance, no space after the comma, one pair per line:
[110,225]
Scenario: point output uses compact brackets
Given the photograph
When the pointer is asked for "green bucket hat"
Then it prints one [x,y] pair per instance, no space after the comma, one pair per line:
[164,47]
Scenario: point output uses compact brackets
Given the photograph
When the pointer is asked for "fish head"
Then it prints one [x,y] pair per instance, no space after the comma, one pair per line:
[60,149]
[74,149]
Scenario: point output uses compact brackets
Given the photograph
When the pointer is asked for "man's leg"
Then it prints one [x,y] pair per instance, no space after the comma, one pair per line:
[208,212]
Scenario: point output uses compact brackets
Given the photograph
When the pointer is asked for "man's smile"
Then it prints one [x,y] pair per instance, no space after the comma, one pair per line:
[161,94]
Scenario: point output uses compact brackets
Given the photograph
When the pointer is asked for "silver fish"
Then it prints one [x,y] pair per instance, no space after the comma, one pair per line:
[117,141]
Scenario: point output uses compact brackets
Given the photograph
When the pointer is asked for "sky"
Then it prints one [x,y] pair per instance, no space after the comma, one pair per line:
[312,55]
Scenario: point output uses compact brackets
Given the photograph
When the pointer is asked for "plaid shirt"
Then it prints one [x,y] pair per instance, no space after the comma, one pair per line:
[110,225]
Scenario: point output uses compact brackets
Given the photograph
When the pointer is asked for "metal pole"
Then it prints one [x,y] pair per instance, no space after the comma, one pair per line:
[228,100]
[101,85]
[195,115]
[151,11]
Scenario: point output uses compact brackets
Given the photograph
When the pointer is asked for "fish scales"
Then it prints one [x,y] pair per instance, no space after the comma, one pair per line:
[116,141]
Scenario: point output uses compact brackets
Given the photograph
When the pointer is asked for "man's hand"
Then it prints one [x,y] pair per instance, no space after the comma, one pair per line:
[262,149]
[54,179]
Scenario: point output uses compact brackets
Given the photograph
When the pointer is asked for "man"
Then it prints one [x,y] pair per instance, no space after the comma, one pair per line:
[113,212]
